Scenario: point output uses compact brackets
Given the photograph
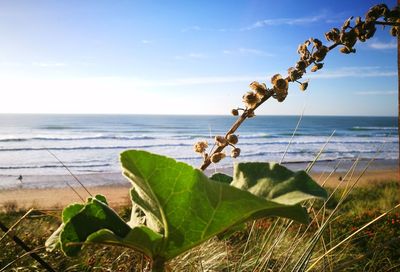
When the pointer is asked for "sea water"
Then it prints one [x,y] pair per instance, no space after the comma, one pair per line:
[35,144]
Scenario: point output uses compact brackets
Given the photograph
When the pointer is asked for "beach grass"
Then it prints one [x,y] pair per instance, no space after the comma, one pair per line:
[264,245]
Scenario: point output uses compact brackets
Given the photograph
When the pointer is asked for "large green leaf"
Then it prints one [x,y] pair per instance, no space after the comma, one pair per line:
[140,238]
[191,207]
[80,223]
[221,177]
[275,182]
[183,206]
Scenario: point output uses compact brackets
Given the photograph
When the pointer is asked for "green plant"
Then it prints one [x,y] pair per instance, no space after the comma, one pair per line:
[177,207]
[183,207]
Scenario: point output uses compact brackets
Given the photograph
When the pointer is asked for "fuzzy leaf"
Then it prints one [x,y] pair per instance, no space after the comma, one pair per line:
[191,207]
[275,182]
[94,216]
[140,238]
[221,177]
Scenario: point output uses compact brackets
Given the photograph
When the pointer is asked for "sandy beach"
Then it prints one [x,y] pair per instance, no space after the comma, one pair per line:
[117,195]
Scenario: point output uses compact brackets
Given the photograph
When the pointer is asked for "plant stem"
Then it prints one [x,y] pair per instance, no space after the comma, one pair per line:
[158,265]
[244,116]
[387,23]
[234,127]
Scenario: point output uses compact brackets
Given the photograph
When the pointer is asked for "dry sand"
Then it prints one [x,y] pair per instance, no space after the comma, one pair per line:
[119,195]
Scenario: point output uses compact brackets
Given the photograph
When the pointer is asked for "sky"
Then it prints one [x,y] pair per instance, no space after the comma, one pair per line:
[185,57]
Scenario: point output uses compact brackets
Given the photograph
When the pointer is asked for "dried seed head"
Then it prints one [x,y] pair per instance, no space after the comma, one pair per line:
[220,141]
[280,87]
[303,86]
[260,89]
[216,157]
[281,84]
[317,66]
[235,112]
[369,31]
[303,50]
[393,31]
[200,147]
[377,11]
[301,65]
[320,54]
[317,43]
[294,74]
[346,23]
[333,35]
[345,50]
[232,139]
[274,78]
[250,99]
[235,152]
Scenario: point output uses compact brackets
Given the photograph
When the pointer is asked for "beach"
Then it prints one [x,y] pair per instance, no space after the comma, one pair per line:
[43,156]
[118,194]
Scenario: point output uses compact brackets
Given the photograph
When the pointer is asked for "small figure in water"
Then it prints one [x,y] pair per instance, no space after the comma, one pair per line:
[20,178]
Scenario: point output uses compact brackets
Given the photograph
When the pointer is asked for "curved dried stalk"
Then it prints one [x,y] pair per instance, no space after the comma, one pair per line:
[347,36]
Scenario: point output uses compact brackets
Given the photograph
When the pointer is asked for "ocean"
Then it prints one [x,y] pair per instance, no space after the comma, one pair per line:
[92,143]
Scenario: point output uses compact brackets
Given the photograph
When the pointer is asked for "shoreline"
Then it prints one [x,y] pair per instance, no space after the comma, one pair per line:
[118,193]
[101,179]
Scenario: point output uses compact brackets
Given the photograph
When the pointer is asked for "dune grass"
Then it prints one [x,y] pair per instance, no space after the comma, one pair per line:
[263,245]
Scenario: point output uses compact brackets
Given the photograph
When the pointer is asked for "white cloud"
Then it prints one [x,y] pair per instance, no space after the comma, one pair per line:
[371,71]
[191,28]
[49,64]
[285,21]
[382,45]
[264,23]
[146,41]
[378,93]
[10,64]
[247,51]
[193,55]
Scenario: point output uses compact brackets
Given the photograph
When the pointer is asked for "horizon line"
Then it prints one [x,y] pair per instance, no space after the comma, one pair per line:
[194,114]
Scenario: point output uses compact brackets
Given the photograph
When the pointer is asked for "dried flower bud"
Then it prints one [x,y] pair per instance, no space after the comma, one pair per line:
[260,89]
[281,84]
[250,99]
[317,43]
[349,39]
[303,86]
[235,112]
[216,157]
[345,50]
[200,147]
[333,35]
[377,11]
[294,74]
[320,54]
[394,31]
[220,140]
[280,87]
[274,78]
[235,152]
[232,139]
[317,66]
[346,23]
[370,30]
[301,65]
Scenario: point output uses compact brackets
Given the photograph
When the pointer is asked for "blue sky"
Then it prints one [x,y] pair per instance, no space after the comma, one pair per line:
[184,57]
